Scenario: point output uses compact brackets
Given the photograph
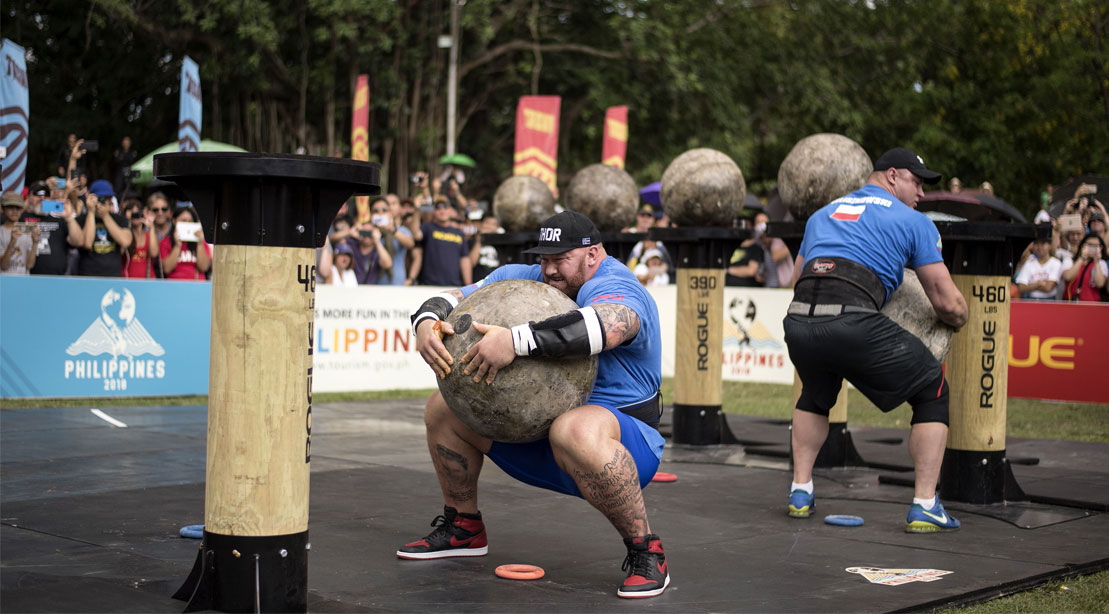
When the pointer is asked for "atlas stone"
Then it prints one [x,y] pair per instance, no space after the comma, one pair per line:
[819,169]
[703,187]
[527,395]
[606,195]
[910,308]
[522,203]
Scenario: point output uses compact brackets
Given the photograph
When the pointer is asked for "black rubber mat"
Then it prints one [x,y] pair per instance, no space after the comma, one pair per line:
[90,515]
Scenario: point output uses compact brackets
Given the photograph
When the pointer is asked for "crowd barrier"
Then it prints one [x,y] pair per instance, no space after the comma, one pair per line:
[97,337]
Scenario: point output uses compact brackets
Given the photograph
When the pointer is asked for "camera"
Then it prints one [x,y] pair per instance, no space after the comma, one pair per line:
[90,146]
[414,178]
[380,219]
[136,215]
[366,233]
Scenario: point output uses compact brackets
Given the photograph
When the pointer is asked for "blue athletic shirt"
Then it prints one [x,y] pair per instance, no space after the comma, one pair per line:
[872,227]
[627,374]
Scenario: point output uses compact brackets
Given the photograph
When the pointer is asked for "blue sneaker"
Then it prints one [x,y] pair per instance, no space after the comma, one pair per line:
[801,504]
[936,519]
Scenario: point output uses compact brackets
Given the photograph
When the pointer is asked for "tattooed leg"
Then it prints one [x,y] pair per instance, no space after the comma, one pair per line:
[586,443]
[457,453]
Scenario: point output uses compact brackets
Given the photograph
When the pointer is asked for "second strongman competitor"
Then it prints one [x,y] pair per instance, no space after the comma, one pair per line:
[850,262]
[604,451]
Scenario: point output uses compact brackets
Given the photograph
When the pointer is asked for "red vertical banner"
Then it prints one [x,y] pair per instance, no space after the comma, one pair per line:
[616,136]
[359,139]
[537,139]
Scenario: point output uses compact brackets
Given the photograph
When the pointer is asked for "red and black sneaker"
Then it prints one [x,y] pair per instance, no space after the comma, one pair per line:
[646,567]
[455,534]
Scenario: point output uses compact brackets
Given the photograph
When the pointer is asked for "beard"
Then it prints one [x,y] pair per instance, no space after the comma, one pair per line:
[568,284]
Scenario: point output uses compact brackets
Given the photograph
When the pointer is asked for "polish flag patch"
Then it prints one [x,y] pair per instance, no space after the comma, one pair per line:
[848,213]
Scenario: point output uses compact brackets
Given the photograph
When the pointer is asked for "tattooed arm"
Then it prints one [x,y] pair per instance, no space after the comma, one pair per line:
[620,323]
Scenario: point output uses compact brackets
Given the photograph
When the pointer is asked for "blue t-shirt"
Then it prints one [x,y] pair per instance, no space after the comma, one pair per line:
[399,274]
[872,227]
[627,374]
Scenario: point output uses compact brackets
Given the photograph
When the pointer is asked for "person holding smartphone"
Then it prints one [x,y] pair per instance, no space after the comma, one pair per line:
[140,260]
[104,234]
[371,258]
[185,254]
[1087,276]
[386,215]
[52,214]
[18,240]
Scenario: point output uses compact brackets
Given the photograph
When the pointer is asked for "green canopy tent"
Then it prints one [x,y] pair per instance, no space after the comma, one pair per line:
[458,159]
[142,172]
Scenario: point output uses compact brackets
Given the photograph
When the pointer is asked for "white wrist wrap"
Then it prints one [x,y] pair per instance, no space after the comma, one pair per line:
[523,341]
[593,325]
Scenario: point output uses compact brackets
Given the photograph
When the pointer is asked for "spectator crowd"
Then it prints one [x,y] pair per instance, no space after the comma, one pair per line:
[1070,265]
[67,225]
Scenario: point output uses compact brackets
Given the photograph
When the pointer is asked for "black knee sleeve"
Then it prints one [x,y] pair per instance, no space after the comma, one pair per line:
[806,403]
[930,403]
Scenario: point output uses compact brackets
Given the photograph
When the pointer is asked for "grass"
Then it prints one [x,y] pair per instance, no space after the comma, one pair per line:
[1025,418]
[1082,594]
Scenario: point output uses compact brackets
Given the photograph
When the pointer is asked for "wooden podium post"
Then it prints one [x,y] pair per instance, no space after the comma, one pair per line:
[980,256]
[266,214]
[700,256]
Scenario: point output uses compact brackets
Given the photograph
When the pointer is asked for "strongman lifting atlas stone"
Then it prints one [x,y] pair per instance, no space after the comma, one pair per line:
[605,194]
[522,202]
[527,395]
[819,169]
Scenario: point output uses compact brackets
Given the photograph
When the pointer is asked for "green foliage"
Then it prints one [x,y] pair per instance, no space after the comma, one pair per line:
[1011,92]
[1081,594]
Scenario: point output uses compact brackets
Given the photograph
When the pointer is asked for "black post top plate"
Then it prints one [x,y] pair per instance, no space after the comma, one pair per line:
[361,176]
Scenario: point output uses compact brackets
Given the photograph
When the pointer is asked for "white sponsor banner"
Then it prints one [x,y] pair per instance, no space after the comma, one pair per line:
[754,348]
[754,338]
[364,337]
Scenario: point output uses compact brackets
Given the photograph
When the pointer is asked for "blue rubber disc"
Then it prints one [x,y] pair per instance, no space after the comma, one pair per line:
[843,520]
[193,531]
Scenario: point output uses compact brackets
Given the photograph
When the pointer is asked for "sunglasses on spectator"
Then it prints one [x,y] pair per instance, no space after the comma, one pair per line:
[442,205]
[646,214]
[159,209]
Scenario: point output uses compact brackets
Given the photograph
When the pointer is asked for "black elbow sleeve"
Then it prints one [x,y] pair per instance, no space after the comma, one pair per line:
[575,334]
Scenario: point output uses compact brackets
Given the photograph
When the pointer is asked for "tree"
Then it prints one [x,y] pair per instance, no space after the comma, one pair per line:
[1016,93]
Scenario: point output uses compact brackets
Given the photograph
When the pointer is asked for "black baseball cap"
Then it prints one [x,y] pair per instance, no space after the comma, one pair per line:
[899,157]
[565,231]
[38,188]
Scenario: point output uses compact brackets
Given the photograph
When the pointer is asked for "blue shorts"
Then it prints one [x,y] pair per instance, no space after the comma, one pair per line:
[534,463]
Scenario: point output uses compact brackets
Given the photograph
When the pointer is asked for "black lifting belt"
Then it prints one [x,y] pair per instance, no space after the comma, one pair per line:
[839,281]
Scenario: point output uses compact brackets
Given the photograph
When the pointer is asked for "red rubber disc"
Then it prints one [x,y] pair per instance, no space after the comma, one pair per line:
[662,476]
[519,572]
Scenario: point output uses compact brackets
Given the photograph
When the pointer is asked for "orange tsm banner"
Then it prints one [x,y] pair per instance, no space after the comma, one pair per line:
[616,136]
[537,139]
[359,138]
